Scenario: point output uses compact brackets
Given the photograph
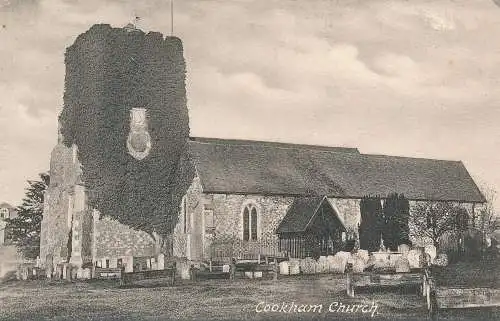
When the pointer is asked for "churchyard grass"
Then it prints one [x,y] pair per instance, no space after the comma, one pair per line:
[213,300]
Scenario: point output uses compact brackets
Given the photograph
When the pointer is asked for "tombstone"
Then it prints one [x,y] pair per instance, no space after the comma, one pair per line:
[226,268]
[347,255]
[323,264]
[294,267]
[308,266]
[284,268]
[382,264]
[86,274]
[431,250]
[393,258]
[364,254]
[67,272]
[416,258]
[74,272]
[358,264]
[337,263]
[113,263]
[49,270]
[161,261]
[129,264]
[402,264]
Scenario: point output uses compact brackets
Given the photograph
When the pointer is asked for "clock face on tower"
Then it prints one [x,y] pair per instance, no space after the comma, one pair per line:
[138,141]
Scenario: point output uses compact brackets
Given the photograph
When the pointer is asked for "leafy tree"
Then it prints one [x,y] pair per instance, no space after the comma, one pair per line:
[395,229]
[434,219]
[25,228]
[370,227]
[488,220]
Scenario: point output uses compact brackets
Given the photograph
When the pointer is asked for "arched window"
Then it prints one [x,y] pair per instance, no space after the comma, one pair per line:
[250,218]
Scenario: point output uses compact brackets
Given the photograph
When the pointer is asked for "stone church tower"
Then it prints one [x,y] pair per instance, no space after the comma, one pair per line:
[115,84]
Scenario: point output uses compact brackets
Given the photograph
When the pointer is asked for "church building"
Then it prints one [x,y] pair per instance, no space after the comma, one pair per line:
[241,198]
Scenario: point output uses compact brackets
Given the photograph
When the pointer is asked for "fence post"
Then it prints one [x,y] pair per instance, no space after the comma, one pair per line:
[174,270]
[275,269]
[122,276]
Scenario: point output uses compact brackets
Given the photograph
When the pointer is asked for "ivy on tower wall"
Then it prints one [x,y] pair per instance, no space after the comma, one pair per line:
[109,71]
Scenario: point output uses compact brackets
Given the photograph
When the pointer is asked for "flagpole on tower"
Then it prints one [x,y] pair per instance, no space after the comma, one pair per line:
[171,17]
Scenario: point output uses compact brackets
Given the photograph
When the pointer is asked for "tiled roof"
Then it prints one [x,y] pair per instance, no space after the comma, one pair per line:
[249,167]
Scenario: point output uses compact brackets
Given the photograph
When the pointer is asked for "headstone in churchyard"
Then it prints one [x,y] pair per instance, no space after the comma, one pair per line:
[294,266]
[129,264]
[347,255]
[86,274]
[185,270]
[161,261]
[284,268]
[74,272]
[322,266]
[416,258]
[364,254]
[358,264]
[431,250]
[308,265]
[337,263]
[402,264]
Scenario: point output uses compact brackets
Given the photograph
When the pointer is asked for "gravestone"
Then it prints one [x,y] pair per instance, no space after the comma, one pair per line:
[431,250]
[416,258]
[363,254]
[284,268]
[402,265]
[358,264]
[294,266]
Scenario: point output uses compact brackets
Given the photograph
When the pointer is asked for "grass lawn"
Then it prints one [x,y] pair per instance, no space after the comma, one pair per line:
[214,300]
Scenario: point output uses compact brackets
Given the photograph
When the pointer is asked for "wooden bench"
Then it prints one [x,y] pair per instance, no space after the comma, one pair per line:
[416,277]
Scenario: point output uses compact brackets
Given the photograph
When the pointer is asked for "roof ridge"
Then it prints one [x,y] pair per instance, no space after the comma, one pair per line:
[419,158]
[273,144]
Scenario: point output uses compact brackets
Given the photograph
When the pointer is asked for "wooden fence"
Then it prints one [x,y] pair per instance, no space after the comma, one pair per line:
[244,250]
[108,273]
[238,270]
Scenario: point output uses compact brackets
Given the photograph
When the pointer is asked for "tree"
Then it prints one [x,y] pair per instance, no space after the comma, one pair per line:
[25,228]
[395,230]
[370,226]
[488,220]
[434,219]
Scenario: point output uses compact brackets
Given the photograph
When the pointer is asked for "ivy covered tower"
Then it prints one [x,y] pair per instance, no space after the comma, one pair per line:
[123,133]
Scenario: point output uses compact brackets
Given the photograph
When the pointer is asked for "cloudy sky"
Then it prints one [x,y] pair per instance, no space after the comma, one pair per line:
[412,78]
